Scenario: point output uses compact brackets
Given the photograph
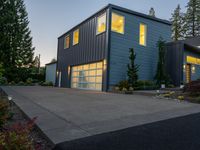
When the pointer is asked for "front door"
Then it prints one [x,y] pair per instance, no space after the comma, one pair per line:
[188,73]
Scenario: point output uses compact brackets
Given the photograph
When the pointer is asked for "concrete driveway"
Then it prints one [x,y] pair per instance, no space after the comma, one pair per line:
[68,114]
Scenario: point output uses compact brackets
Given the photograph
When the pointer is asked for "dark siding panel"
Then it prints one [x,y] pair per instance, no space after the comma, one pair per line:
[91,48]
[174,61]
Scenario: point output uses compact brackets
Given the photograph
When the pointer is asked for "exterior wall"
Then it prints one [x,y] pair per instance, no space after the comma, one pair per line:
[147,56]
[174,61]
[91,48]
[196,75]
[51,73]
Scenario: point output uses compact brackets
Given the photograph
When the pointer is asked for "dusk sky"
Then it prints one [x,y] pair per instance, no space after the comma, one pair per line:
[51,18]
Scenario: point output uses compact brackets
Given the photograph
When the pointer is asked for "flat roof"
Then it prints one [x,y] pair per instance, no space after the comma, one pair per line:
[123,10]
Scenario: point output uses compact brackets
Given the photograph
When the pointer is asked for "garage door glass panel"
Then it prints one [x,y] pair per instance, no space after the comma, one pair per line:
[88,76]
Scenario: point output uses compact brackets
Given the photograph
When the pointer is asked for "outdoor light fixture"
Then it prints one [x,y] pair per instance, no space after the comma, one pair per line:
[69,70]
[9,98]
[104,64]
[183,67]
[193,69]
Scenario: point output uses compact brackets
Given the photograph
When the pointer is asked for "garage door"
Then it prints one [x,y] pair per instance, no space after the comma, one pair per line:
[88,76]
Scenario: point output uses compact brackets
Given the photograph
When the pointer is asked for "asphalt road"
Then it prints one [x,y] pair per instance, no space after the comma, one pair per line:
[181,133]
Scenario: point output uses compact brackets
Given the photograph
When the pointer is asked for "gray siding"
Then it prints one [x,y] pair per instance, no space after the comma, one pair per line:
[91,48]
[146,56]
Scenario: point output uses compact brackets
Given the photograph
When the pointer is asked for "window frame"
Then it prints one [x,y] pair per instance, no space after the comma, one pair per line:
[65,43]
[145,35]
[124,20]
[97,33]
[78,37]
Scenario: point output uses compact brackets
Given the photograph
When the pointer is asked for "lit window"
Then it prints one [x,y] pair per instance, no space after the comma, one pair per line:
[143,34]
[117,23]
[101,24]
[76,37]
[66,42]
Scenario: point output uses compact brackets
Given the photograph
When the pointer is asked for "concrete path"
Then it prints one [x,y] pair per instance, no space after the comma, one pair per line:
[67,114]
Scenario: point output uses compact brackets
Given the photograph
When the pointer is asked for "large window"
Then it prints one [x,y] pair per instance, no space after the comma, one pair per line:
[143,34]
[88,76]
[66,42]
[101,24]
[76,37]
[118,23]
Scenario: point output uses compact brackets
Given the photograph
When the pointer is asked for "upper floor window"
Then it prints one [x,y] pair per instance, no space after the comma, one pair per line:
[76,37]
[117,23]
[143,34]
[66,42]
[101,24]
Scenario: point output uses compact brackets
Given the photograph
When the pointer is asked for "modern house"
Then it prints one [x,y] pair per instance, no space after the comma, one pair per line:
[95,53]
[50,74]
[183,60]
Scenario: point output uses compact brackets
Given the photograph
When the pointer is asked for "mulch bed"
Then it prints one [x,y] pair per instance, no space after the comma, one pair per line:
[35,135]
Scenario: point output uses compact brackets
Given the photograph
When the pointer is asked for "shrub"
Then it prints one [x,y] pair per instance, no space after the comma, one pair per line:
[21,83]
[181,97]
[46,84]
[4,111]
[3,81]
[17,136]
[123,84]
[12,83]
[145,85]
[193,88]
[29,81]
[170,86]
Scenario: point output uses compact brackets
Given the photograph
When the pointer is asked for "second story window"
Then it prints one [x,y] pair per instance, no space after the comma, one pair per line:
[76,37]
[143,34]
[101,24]
[66,42]
[117,23]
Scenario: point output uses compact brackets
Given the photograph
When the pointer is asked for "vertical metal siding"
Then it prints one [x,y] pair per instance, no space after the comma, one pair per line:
[91,48]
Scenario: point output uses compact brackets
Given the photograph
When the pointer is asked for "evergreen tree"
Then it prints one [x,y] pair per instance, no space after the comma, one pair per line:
[132,69]
[177,24]
[192,19]
[160,73]
[16,49]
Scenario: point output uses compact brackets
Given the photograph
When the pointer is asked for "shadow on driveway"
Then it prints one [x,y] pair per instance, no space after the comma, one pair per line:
[182,133]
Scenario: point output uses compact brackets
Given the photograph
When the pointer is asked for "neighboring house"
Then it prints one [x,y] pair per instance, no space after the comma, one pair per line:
[95,53]
[183,60]
[51,72]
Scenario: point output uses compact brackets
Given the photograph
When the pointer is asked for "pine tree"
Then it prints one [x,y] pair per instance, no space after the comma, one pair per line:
[160,73]
[192,19]
[132,69]
[177,24]
[16,49]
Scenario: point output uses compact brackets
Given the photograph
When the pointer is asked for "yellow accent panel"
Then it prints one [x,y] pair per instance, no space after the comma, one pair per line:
[193,60]
[118,23]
